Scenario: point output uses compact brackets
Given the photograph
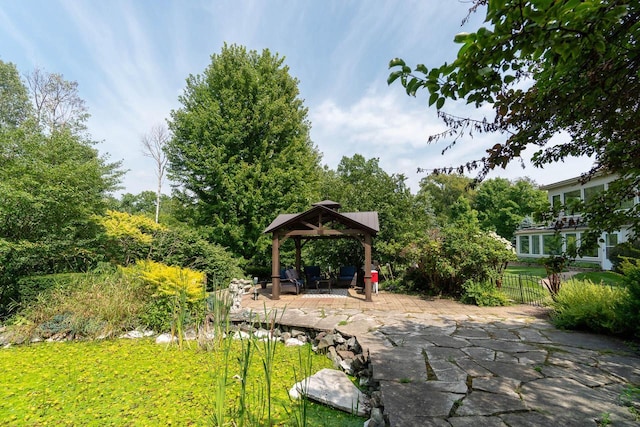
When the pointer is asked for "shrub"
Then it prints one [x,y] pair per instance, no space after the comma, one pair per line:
[128,237]
[483,294]
[187,247]
[176,291]
[444,259]
[586,305]
[622,251]
[631,306]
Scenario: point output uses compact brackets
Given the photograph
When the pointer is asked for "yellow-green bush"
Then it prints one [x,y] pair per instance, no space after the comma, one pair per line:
[590,306]
[169,280]
[176,294]
[128,237]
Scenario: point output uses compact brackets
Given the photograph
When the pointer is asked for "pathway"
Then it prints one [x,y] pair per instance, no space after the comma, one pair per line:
[440,363]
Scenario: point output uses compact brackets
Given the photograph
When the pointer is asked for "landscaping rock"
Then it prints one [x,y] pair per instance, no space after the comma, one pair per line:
[346,354]
[293,342]
[135,334]
[296,333]
[236,290]
[376,420]
[332,388]
[345,365]
[165,339]
[325,342]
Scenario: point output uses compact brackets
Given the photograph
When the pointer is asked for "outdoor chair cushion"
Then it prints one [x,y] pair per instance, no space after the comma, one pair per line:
[312,273]
[346,273]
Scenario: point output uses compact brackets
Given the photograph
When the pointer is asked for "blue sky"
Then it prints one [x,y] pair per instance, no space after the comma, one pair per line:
[131,59]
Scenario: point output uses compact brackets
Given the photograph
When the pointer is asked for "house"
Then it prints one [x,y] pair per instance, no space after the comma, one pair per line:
[538,241]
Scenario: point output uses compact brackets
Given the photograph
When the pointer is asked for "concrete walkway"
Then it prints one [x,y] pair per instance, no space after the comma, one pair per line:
[441,363]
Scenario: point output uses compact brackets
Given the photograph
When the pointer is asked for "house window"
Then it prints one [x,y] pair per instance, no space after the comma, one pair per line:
[571,242]
[591,251]
[627,203]
[556,203]
[591,192]
[551,244]
[535,245]
[524,244]
[571,200]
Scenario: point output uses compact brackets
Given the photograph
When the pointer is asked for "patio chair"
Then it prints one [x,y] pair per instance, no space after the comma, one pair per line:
[290,277]
[312,275]
[347,275]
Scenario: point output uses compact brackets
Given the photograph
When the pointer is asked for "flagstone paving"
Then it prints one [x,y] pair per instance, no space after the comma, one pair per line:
[441,363]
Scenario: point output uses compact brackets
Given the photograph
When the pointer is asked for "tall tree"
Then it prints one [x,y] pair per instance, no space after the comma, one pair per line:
[57,102]
[241,151]
[51,187]
[502,204]
[547,67]
[153,146]
[14,98]
[360,184]
[442,191]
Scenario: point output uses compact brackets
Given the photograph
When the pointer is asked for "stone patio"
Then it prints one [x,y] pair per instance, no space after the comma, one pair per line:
[441,363]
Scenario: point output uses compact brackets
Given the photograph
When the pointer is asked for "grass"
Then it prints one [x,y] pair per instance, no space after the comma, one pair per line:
[604,277]
[533,271]
[137,382]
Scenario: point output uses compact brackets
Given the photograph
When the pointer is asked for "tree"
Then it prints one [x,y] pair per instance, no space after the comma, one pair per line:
[442,191]
[57,102]
[153,145]
[241,151]
[51,186]
[360,184]
[502,204]
[14,98]
[547,67]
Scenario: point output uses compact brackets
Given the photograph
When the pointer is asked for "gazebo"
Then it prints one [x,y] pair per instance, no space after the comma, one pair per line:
[322,221]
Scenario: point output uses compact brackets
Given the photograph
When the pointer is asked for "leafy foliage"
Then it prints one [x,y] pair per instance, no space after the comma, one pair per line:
[546,68]
[14,104]
[359,185]
[483,294]
[84,305]
[502,204]
[631,307]
[241,148]
[174,288]
[622,251]
[52,183]
[169,280]
[441,191]
[128,237]
[445,259]
[586,305]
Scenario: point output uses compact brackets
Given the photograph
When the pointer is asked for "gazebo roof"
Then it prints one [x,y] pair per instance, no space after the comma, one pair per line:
[322,213]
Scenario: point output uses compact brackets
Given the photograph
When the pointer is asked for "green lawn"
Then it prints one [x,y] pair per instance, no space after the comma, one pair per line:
[533,271]
[604,277]
[140,383]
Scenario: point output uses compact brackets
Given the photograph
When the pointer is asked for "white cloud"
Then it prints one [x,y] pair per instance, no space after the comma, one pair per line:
[386,126]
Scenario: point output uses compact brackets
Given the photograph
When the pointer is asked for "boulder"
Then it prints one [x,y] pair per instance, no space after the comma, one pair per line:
[332,388]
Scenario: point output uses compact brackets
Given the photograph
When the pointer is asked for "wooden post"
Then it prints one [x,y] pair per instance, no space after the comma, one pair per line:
[367,267]
[275,267]
[298,254]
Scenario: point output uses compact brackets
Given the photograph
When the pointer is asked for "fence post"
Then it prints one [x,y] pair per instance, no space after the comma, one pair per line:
[521,290]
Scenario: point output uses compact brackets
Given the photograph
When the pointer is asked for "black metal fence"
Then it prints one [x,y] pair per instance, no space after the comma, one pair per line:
[525,289]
